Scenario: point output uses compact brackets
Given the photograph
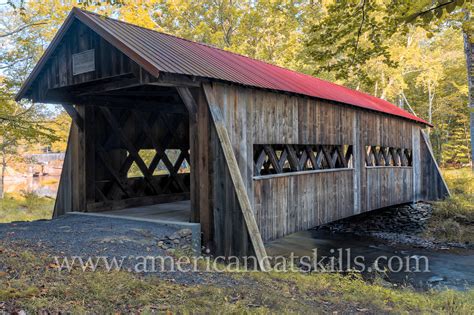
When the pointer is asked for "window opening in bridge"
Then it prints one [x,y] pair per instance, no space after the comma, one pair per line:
[376,155]
[285,158]
[174,161]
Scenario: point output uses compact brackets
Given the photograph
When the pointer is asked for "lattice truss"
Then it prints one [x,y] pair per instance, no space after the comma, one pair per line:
[134,154]
[387,156]
[282,158]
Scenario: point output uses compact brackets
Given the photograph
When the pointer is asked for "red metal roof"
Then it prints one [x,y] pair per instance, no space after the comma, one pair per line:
[158,52]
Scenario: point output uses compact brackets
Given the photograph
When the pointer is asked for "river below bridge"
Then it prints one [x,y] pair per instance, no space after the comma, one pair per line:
[438,269]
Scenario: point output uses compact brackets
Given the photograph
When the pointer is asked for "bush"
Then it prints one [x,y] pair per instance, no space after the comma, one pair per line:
[451,230]
[31,200]
[25,207]
[453,218]
[458,207]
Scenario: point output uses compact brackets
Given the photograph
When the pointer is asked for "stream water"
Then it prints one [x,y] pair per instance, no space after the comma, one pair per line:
[43,186]
[436,269]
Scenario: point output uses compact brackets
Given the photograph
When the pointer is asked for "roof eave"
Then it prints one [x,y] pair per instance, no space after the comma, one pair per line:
[49,50]
[79,15]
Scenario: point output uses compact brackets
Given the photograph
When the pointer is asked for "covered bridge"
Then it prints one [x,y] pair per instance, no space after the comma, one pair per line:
[258,150]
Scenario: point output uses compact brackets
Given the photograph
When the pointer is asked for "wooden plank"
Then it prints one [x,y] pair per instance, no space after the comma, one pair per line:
[199,147]
[89,143]
[135,202]
[78,167]
[76,118]
[237,180]
[436,176]
[416,163]
[188,100]
[130,148]
[357,161]
[63,202]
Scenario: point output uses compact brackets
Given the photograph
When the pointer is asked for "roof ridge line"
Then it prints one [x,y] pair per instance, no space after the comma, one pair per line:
[226,51]
[195,42]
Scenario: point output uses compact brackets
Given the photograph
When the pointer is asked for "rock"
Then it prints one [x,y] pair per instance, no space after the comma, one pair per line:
[435,279]
[184,232]
[174,236]
[176,241]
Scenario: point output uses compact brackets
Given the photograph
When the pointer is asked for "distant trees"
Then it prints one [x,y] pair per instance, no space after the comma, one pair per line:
[408,52]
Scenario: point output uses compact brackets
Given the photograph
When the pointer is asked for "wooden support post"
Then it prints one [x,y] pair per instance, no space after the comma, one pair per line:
[89,145]
[78,167]
[236,177]
[201,210]
[76,118]
[357,161]
[416,163]
[133,151]
[63,202]
[426,141]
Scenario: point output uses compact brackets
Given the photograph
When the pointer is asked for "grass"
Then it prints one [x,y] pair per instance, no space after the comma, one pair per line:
[29,282]
[25,207]
[453,218]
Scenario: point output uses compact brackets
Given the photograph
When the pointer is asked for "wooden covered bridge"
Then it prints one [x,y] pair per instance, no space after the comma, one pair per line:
[258,151]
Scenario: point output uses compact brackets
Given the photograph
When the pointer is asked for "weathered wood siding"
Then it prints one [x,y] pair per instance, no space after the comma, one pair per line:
[388,186]
[291,202]
[433,186]
[109,63]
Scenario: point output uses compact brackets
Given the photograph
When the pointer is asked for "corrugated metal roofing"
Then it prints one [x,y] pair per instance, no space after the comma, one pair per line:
[158,52]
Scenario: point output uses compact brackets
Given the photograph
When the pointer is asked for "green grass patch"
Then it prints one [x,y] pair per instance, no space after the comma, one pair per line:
[25,207]
[29,282]
[453,218]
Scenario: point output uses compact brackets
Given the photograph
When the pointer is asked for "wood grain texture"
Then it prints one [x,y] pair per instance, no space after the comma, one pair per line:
[262,117]
[236,177]
[287,204]
[433,186]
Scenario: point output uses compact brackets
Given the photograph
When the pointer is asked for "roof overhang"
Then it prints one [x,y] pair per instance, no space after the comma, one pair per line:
[82,17]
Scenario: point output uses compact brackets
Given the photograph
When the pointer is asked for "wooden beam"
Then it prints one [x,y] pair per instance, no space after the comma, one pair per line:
[63,201]
[240,190]
[176,80]
[132,102]
[76,118]
[135,202]
[201,209]
[272,158]
[188,100]
[90,132]
[425,139]
[292,158]
[116,176]
[160,151]
[132,150]
[109,86]
[312,157]
[260,159]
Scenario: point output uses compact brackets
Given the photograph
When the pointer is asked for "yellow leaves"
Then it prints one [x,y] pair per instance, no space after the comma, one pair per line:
[138,12]
[53,266]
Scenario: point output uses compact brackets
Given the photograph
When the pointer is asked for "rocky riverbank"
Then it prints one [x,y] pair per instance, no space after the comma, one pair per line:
[402,224]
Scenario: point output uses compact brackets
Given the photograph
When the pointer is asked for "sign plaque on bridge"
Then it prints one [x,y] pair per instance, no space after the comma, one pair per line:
[83,62]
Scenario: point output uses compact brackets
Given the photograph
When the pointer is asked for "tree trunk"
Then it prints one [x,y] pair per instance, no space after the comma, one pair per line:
[2,179]
[468,49]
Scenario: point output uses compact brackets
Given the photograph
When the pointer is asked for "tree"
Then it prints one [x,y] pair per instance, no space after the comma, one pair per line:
[18,125]
[351,33]
[408,52]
